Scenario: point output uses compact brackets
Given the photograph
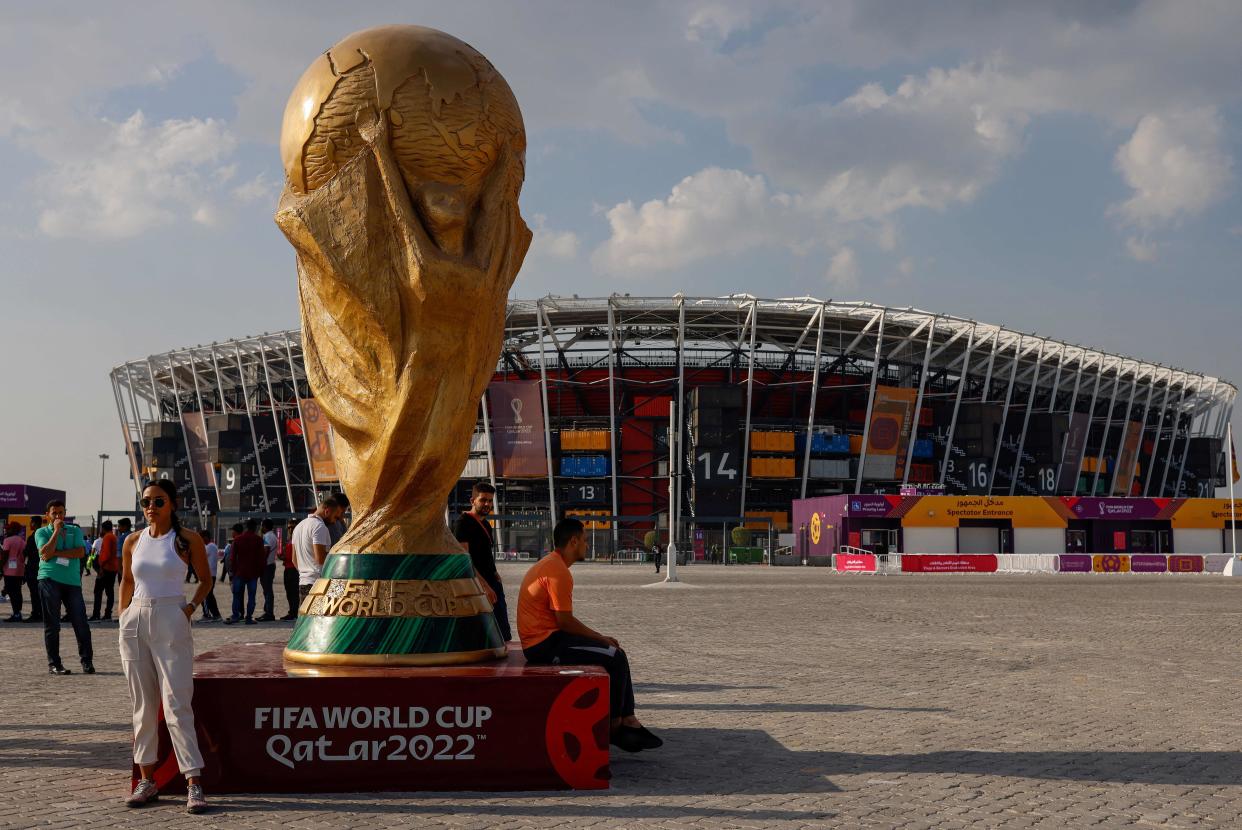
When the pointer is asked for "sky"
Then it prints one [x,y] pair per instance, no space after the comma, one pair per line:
[1058,167]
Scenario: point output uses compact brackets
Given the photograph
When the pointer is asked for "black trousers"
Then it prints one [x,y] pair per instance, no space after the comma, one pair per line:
[54,594]
[210,608]
[500,609]
[13,587]
[291,590]
[105,584]
[269,594]
[561,649]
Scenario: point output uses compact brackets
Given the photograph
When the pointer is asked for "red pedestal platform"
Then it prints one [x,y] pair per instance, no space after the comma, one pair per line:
[269,726]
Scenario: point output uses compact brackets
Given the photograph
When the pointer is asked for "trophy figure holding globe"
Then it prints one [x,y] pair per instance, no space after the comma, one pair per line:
[404,154]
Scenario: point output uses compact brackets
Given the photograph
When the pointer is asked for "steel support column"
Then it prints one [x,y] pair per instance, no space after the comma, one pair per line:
[947,459]
[875,372]
[1108,422]
[297,397]
[540,319]
[918,402]
[614,435]
[1121,443]
[1026,419]
[202,411]
[254,434]
[810,420]
[1155,448]
[750,387]
[280,443]
[1013,374]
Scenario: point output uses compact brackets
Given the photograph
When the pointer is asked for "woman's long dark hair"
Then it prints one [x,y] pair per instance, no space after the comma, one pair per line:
[171,490]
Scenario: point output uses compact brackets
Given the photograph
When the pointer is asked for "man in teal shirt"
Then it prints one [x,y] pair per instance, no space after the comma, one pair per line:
[61,547]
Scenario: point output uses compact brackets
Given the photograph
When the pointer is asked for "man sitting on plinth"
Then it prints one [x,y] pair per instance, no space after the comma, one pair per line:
[552,635]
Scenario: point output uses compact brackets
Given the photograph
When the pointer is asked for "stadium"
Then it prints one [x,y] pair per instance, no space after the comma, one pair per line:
[779,400]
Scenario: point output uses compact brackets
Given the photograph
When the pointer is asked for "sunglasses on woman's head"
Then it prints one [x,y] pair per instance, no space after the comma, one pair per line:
[157,501]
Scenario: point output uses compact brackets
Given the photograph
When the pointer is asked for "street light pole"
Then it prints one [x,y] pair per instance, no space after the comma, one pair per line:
[103,469]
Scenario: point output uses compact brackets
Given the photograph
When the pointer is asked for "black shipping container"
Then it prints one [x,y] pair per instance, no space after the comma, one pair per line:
[161,429]
[227,423]
[233,439]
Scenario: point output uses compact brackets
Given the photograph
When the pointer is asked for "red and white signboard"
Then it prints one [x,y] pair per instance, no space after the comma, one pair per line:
[944,564]
[856,562]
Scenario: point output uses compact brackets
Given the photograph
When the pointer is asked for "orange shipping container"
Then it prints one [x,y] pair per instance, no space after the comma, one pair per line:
[855,445]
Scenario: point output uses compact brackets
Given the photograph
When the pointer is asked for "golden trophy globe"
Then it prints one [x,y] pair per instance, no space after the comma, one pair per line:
[404,152]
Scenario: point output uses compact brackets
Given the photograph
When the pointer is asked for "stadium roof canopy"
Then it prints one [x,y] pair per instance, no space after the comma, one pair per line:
[787,333]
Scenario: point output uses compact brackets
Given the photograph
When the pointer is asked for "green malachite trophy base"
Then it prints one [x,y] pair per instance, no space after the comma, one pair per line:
[343,640]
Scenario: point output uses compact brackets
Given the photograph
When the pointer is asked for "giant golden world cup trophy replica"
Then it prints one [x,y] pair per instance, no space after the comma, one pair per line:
[404,151]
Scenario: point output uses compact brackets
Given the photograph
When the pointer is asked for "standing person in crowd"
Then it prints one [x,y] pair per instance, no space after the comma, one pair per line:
[123,528]
[552,635]
[338,526]
[13,552]
[248,563]
[107,566]
[157,644]
[211,611]
[271,543]
[32,571]
[228,551]
[311,543]
[61,550]
[474,532]
[290,574]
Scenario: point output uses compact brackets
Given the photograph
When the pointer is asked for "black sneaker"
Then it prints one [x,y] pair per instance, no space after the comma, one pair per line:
[232,621]
[265,618]
[627,739]
[88,668]
[250,621]
[288,617]
[56,668]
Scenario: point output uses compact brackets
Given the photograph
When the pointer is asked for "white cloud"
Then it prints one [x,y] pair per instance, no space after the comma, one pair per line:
[906,266]
[1140,250]
[258,189]
[1176,166]
[133,176]
[549,243]
[843,271]
[935,140]
[712,213]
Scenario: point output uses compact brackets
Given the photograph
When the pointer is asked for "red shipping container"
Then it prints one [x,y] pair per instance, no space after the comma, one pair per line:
[651,406]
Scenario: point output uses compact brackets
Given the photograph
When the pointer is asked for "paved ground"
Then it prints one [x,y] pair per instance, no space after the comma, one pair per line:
[788,698]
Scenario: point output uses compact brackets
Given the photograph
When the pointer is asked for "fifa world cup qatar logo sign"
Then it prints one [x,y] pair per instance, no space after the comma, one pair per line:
[404,151]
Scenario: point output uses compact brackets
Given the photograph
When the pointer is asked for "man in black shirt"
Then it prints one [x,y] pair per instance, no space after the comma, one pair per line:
[474,532]
[32,571]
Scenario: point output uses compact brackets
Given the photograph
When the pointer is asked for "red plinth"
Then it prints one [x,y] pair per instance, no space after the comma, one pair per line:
[268,726]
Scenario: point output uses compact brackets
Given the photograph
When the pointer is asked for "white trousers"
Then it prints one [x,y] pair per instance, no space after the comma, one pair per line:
[157,655]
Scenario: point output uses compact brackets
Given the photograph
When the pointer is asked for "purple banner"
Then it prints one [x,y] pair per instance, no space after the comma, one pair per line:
[1148,563]
[1119,509]
[517,429]
[12,495]
[1075,443]
[1074,563]
[875,506]
[195,431]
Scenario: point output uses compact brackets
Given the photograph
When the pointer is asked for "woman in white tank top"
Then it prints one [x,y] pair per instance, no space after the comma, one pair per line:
[157,648]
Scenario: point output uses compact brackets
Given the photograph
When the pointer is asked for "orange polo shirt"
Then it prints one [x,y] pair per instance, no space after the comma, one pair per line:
[546,589]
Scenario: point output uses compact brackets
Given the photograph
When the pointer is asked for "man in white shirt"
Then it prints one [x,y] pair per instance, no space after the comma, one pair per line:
[311,542]
[272,543]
